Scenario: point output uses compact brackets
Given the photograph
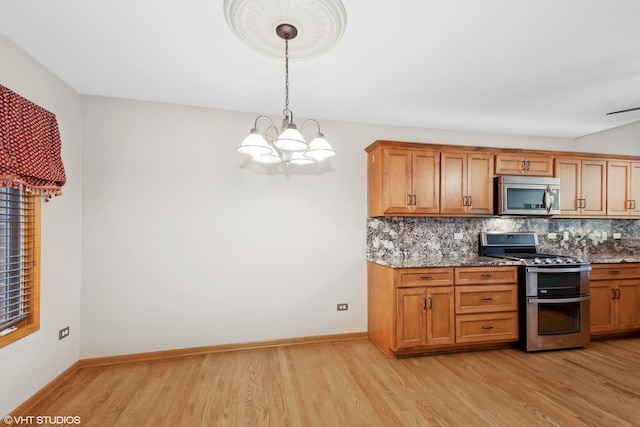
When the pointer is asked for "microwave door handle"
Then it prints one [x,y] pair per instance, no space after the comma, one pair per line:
[548,199]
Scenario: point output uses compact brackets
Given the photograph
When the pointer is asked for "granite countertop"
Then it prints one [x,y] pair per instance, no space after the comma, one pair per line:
[613,258]
[478,261]
[441,261]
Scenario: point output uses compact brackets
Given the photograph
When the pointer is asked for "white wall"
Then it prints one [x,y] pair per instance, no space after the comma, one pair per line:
[32,362]
[185,244]
[620,140]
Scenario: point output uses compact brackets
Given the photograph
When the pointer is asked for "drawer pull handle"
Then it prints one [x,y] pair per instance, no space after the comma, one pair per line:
[424,303]
[614,271]
[487,327]
[486,276]
[426,277]
[486,299]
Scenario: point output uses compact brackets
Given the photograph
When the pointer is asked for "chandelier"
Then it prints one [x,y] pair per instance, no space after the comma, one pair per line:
[287,144]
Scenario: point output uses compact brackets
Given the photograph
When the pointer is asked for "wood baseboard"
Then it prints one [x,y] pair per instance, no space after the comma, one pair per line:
[156,355]
[26,407]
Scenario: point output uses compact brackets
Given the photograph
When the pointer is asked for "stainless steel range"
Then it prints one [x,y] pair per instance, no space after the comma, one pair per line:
[553,300]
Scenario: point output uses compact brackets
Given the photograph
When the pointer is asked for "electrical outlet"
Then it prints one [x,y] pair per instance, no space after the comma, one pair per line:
[457,236]
[343,307]
[565,235]
[63,333]
[551,236]
[604,236]
[617,236]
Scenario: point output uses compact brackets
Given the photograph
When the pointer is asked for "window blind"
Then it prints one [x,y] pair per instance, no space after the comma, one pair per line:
[18,230]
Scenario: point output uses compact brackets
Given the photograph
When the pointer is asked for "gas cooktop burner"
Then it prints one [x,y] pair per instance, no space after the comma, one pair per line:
[541,259]
[522,247]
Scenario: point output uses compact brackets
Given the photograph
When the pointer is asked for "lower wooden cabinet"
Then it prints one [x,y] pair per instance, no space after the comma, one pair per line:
[412,311]
[615,298]
[475,328]
[425,316]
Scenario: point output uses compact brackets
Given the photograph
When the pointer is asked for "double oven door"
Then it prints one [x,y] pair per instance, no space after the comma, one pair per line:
[555,307]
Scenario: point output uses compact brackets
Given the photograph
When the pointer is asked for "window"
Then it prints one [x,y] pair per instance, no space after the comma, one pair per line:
[19,264]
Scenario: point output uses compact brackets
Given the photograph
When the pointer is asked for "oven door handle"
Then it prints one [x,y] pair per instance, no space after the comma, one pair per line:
[534,300]
[551,269]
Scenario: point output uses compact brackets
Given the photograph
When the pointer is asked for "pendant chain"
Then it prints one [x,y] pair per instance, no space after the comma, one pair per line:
[286,78]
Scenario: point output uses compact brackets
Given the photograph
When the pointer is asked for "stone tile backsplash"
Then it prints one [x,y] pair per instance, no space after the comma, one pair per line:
[408,237]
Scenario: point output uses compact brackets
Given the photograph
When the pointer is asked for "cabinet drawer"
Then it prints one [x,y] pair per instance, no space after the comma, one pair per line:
[413,277]
[484,299]
[615,271]
[486,327]
[485,275]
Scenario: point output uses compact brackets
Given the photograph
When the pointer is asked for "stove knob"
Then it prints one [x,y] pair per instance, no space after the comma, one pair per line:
[537,261]
[558,260]
[548,260]
[568,260]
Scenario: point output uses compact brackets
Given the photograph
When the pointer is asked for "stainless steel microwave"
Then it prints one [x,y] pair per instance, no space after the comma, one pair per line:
[527,195]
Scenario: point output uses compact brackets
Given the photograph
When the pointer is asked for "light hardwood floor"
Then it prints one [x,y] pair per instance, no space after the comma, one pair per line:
[352,384]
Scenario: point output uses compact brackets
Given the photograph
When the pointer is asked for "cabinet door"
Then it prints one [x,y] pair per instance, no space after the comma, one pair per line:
[627,304]
[635,188]
[480,184]
[396,181]
[618,174]
[411,317]
[594,187]
[440,316]
[510,165]
[539,166]
[601,314]
[453,183]
[426,182]
[570,173]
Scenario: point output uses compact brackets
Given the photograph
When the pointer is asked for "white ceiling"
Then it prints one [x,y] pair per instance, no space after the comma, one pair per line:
[530,67]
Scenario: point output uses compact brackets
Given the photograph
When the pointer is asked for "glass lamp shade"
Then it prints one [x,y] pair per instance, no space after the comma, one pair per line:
[320,149]
[254,145]
[269,158]
[300,158]
[291,140]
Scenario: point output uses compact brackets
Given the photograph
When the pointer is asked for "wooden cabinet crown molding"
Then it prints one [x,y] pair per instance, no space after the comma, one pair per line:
[500,151]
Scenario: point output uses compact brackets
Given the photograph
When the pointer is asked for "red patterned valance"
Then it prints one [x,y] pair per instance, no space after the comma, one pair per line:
[29,146]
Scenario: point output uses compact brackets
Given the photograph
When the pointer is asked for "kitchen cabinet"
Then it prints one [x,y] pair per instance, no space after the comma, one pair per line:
[425,316]
[615,298]
[466,183]
[422,310]
[583,186]
[623,188]
[486,310]
[403,181]
[524,164]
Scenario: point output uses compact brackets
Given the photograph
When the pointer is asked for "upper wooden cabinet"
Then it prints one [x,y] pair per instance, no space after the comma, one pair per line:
[524,164]
[623,188]
[403,181]
[414,179]
[583,186]
[466,183]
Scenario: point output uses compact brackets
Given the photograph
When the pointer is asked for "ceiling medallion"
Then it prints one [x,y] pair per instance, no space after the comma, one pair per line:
[320,24]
